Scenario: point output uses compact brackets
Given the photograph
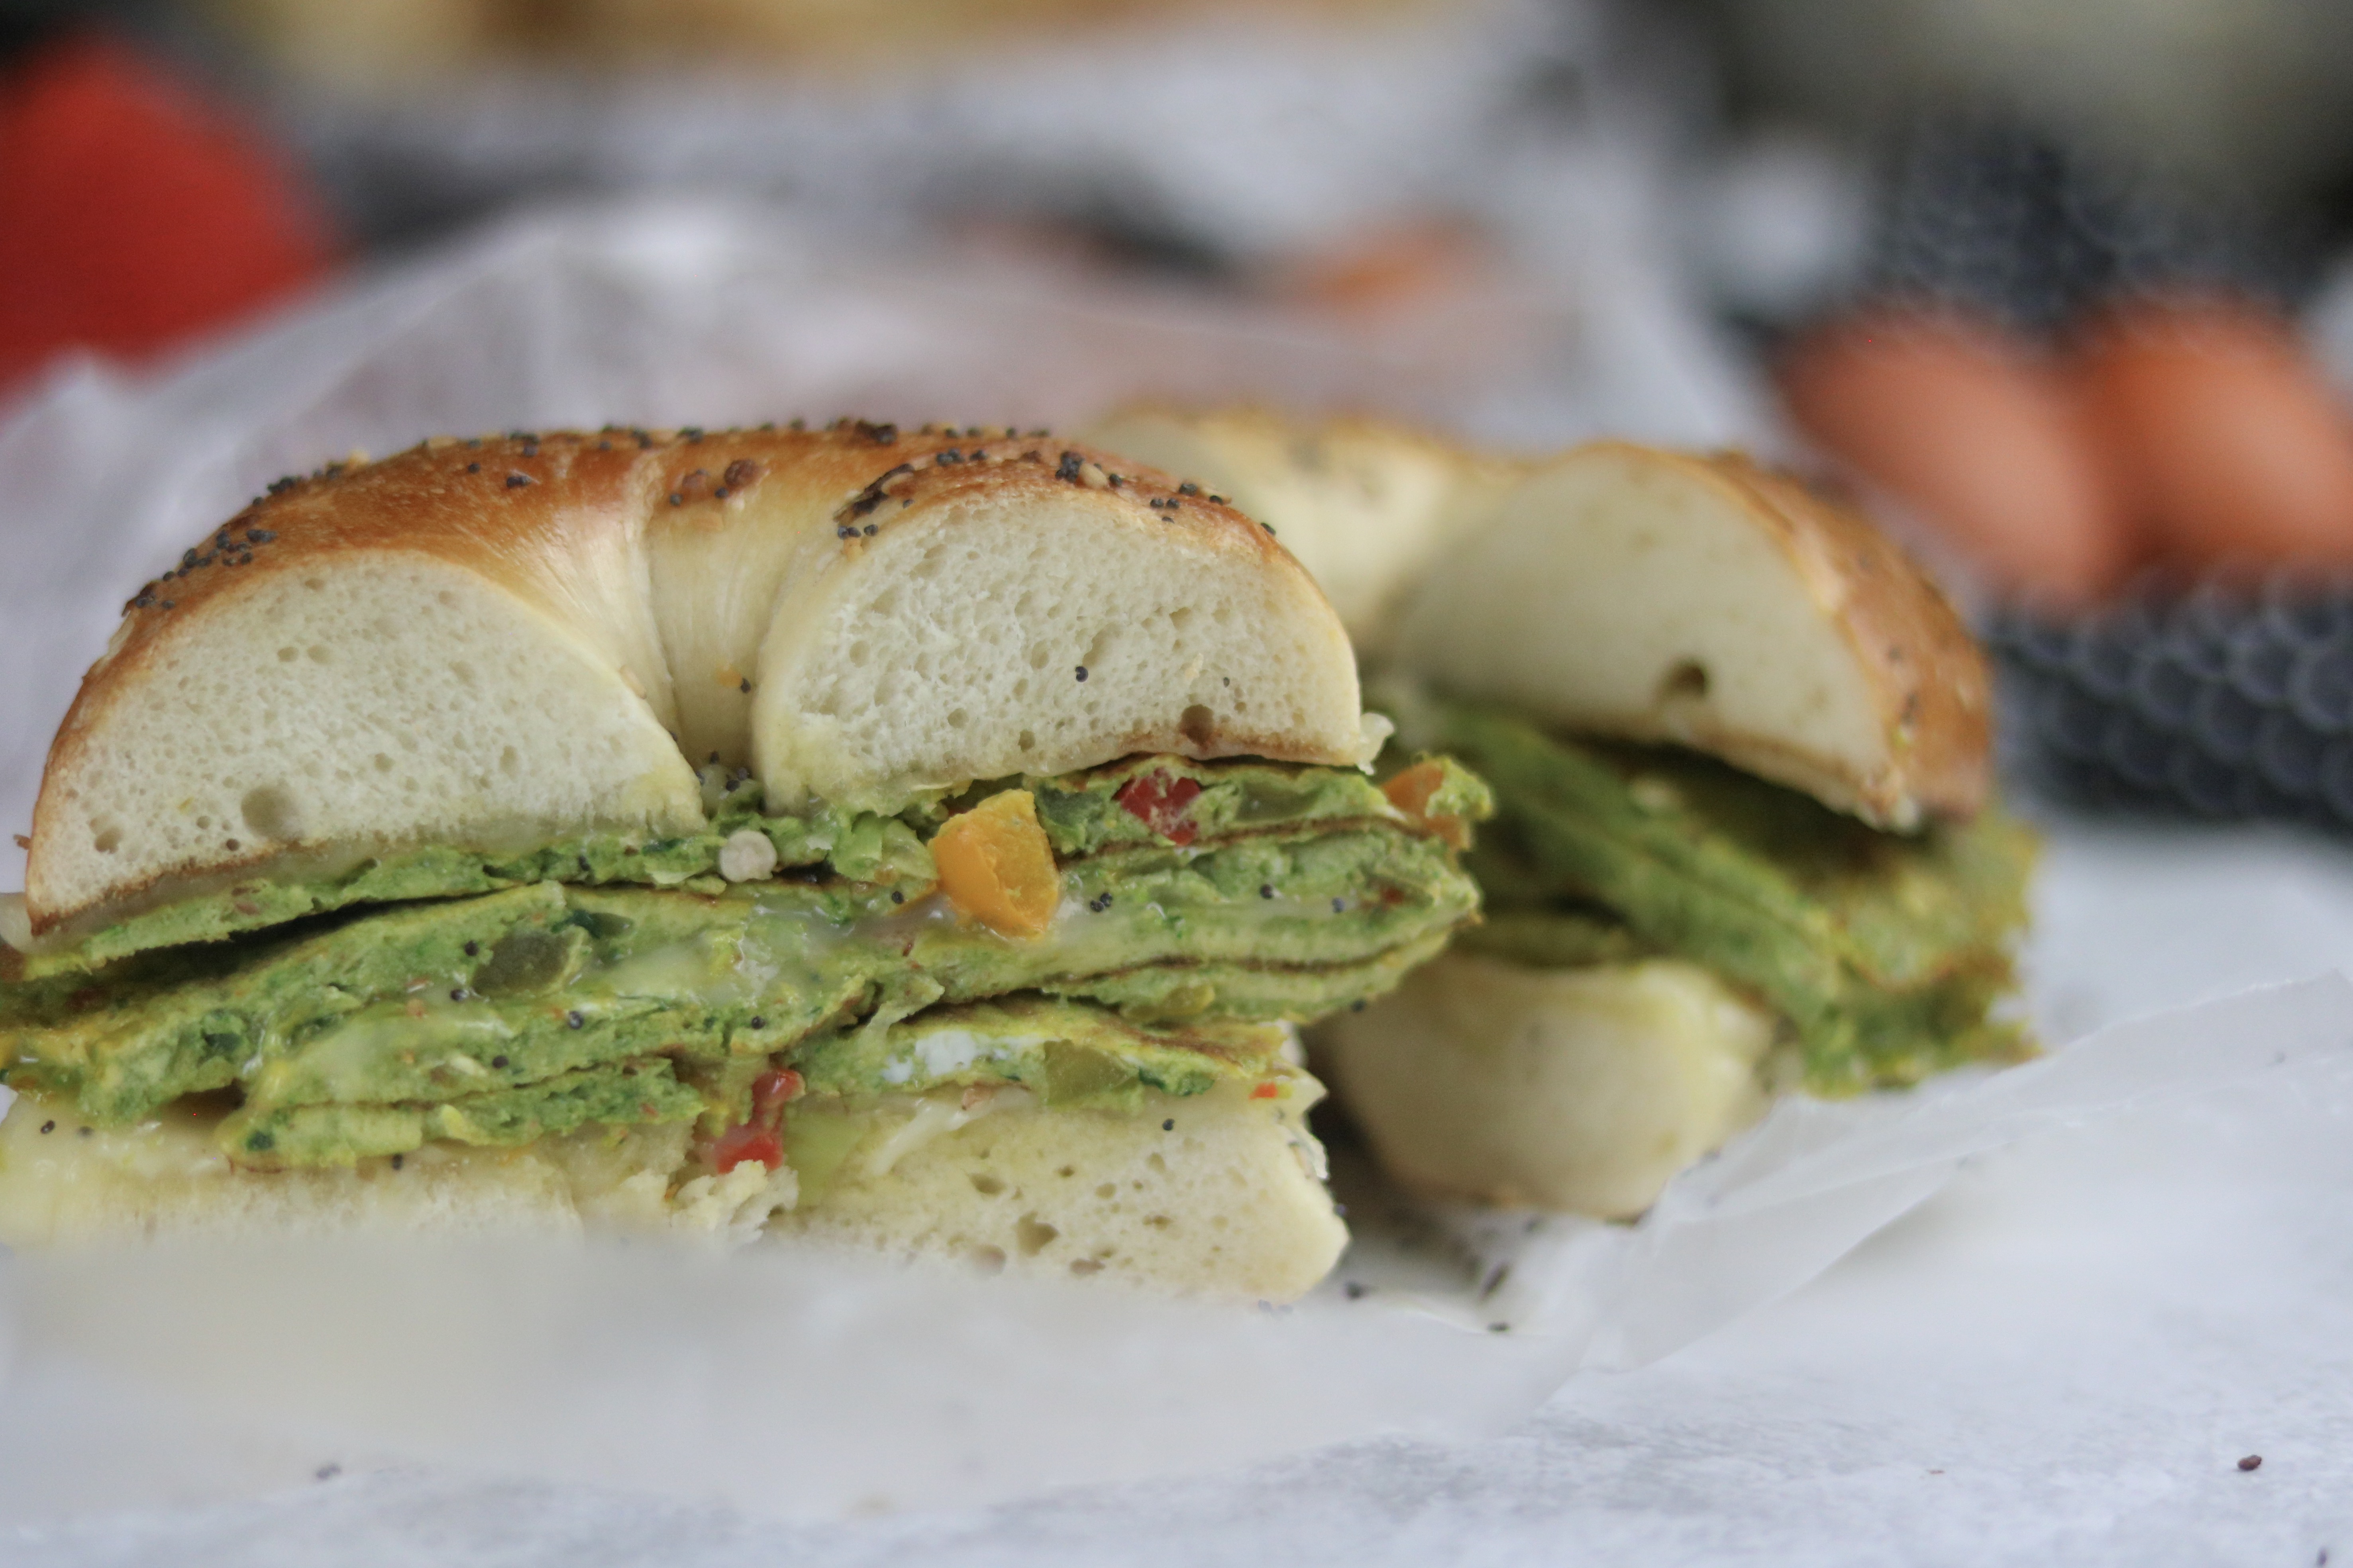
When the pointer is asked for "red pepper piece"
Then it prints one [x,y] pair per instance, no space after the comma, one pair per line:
[762,1137]
[1159,802]
[748,1141]
[772,1091]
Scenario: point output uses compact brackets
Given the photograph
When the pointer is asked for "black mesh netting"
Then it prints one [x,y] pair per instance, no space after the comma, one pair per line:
[2216,702]
[1982,211]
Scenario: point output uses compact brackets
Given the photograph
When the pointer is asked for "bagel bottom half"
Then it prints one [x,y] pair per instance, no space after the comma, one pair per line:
[1219,1191]
[1582,1090]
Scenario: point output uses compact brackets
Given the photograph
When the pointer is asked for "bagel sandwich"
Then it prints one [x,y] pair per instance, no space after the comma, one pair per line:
[923,840]
[1739,746]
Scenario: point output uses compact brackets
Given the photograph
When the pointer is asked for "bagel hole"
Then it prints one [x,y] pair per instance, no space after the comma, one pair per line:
[108,840]
[269,811]
[1196,724]
[1033,1235]
[1685,681]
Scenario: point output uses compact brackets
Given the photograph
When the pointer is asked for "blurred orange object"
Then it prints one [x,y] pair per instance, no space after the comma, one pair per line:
[2234,451]
[1387,268]
[134,212]
[1980,432]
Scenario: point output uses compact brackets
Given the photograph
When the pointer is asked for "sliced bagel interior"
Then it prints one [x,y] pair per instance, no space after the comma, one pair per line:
[500,645]
[604,825]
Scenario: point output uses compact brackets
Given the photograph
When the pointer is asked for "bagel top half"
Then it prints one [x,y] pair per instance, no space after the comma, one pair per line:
[496,643]
[1622,590]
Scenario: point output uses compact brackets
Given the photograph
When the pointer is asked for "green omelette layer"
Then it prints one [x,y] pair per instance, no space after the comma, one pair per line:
[500,1017]
[1066,1054]
[1885,953]
[1080,812]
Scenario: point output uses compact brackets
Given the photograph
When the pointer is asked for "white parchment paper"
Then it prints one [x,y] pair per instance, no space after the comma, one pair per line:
[779,1384]
[782,1382]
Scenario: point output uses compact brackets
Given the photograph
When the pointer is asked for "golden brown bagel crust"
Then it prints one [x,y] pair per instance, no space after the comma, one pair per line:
[524,512]
[498,504]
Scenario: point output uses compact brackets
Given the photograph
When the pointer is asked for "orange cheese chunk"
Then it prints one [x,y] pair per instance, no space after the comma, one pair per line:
[996,866]
[1411,791]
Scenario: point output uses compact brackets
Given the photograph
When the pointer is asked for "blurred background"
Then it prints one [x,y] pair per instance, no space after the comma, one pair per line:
[2063,293]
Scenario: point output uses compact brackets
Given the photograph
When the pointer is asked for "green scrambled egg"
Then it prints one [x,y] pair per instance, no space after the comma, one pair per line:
[620,984]
[1884,954]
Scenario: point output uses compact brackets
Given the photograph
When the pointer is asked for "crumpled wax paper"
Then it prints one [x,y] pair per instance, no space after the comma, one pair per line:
[779,1383]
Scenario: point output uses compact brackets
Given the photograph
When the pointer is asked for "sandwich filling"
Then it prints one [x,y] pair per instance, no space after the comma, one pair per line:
[1883,954]
[1093,939]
